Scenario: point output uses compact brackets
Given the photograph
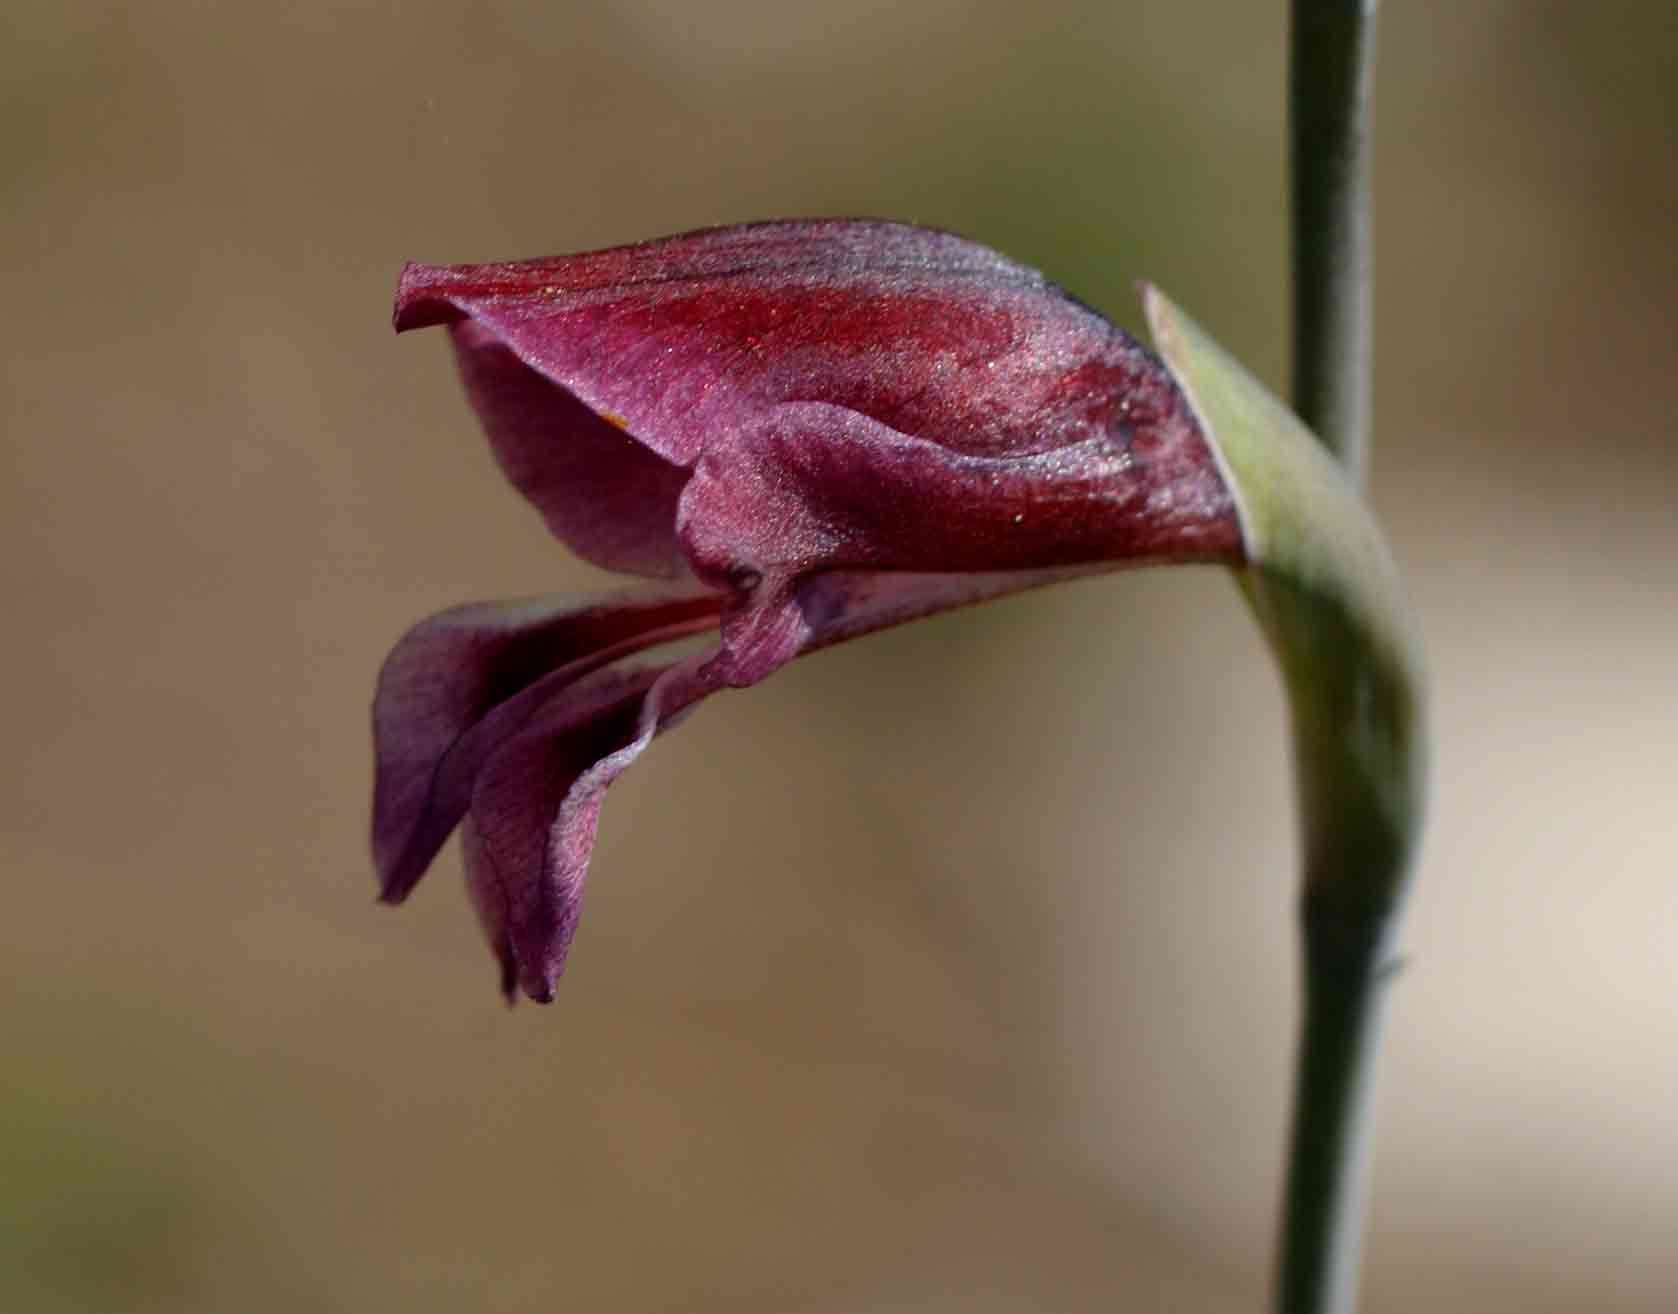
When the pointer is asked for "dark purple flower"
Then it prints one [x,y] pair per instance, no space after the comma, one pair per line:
[805,431]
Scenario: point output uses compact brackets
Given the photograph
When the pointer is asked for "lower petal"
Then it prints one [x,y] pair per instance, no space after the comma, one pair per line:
[536,810]
[522,861]
[458,684]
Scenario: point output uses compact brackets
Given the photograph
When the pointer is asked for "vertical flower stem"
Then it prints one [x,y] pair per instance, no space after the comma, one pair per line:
[1331,76]
[1359,756]
[1332,61]
[1347,968]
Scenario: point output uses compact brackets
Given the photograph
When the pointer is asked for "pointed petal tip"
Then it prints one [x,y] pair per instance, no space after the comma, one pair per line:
[421,300]
[397,876]
[538,988]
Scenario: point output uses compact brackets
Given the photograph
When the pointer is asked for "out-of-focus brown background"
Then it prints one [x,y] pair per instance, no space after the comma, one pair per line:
[947,971]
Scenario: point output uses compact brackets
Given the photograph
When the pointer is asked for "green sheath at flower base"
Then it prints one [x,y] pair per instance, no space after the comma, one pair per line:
[1320,581]
[1323,587]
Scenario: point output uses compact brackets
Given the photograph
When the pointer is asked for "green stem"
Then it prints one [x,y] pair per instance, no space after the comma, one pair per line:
[1346,971]
[1332,67]
[1358,756]
[1332,64]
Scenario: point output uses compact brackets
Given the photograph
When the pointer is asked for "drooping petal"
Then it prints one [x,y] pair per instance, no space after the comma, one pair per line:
[536,803]
[526,881]
[458,684]
[683,338]
[609,498]
[536,797]
[490,903]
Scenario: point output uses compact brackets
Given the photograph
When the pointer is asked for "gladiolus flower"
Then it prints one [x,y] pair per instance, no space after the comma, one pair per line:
[802,432]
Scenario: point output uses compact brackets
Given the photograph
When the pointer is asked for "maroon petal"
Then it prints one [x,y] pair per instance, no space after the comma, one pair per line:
[536,797]
[609,498]
[460,683]
[682,339]
[536,807]
[844,605]
[527,894]
[490,903]
[814,487]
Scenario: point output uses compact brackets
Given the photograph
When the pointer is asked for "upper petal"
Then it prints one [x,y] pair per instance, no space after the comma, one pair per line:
[680,339]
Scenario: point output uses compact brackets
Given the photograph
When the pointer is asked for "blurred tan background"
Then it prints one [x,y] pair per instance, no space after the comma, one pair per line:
[947,971]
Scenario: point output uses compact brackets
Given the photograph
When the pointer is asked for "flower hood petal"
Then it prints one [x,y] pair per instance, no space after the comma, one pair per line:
[609,498]
[680,338]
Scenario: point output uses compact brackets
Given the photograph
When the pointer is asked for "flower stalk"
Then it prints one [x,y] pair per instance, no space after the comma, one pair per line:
[1348,964]
[1354,888]
[1331,81]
